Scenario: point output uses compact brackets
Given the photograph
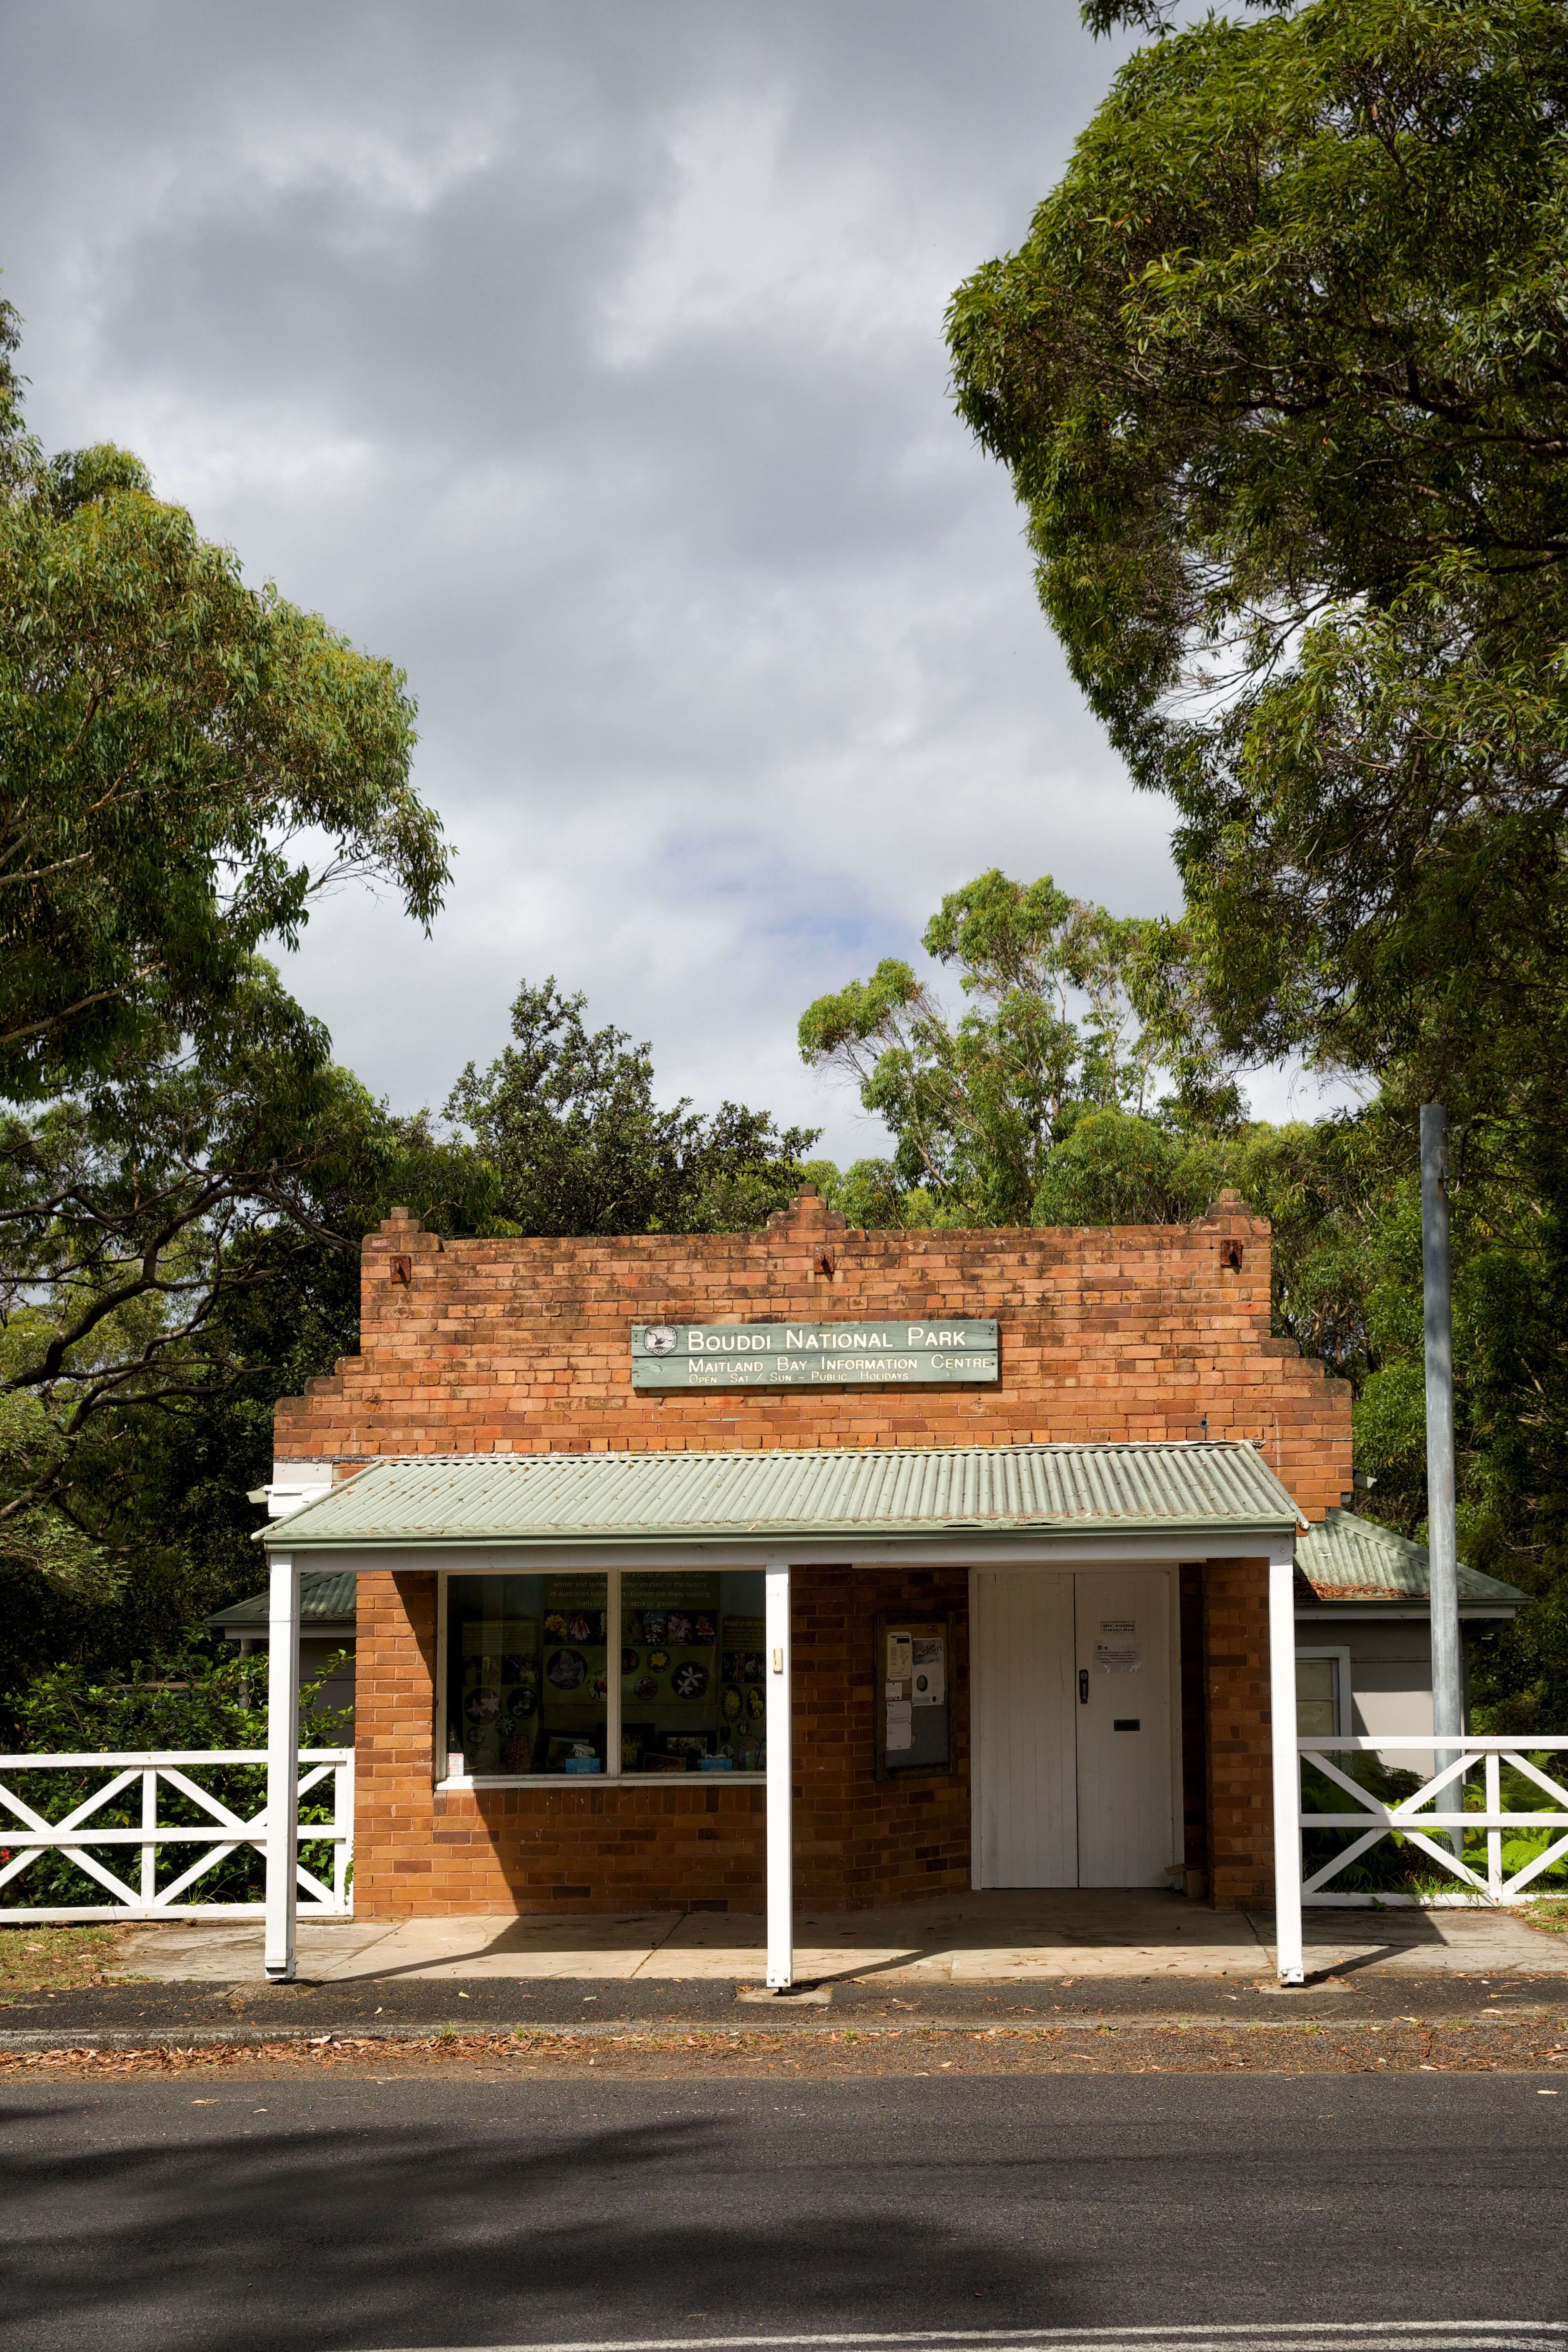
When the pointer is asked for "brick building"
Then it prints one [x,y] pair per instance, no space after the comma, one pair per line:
[992,1607]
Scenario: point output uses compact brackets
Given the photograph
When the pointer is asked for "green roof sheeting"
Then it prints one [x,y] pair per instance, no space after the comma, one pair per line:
[817,1492]
[326,1594]
[1352,1558]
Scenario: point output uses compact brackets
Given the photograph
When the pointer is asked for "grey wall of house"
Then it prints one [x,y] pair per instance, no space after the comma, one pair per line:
[1390,1673]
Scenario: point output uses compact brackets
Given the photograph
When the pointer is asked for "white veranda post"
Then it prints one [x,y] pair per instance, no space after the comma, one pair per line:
[282,1765]
[780,1827]
[1287,1767]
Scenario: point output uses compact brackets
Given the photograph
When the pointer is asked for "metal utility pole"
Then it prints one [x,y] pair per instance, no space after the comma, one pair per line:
[1442,1539]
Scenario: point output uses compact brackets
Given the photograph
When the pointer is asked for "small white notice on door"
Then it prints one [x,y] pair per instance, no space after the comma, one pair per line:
[901,1657]
[1118,1650]
[901,1735]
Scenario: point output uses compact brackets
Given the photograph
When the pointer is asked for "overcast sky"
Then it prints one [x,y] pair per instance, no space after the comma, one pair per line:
[587,360]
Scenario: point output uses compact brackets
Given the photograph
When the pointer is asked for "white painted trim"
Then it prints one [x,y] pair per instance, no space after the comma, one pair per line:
[1287,1770]
[779,1671]
[977,1718]
[440,1752]
[628,1781]
[1178,1785]
[282,1766]
[613,1638]
[968,1549]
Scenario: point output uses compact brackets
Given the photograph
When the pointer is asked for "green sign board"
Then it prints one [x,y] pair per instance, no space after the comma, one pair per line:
[905,1353]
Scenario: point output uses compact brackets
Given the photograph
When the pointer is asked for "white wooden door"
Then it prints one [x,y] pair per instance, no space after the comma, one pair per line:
[1124,1826]
[1071,1691]
[1025,1814]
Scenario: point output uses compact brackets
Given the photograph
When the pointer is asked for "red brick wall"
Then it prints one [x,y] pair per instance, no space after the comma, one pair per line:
[1135,1332]
[691,1844]
[1132,1331]
[1237,1689]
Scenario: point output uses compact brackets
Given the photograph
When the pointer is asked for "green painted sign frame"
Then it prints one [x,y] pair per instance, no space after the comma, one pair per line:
[889,1351]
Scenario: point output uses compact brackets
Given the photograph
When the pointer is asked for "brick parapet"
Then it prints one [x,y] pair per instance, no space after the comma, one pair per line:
[1108,1333]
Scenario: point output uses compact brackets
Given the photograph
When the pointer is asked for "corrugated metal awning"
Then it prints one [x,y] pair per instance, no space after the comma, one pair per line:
[904,1491]
[1352,1558]
[326,1598]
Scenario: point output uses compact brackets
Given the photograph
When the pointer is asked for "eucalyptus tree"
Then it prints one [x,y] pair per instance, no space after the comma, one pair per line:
[978,1099]
[186,763]
[568,1119]
[1280,373]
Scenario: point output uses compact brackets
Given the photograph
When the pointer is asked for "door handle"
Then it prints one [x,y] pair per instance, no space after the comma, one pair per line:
[1083,1687]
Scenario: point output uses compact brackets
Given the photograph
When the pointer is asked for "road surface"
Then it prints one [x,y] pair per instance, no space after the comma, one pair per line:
[341,2213]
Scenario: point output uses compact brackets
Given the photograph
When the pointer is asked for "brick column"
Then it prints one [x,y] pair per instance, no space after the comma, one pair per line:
[1240,1787]
[394,1674]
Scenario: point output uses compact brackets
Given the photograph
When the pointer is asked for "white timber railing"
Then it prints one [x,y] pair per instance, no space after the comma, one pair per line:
[1428,1825]
[82,1836]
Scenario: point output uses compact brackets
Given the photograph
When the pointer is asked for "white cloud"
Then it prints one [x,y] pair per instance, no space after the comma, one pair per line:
[588,362]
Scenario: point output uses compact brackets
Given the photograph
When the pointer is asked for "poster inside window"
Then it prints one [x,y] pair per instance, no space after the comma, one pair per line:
[527,1666]
[692,1656]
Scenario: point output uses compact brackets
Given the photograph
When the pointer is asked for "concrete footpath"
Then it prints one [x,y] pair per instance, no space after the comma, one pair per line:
[1005,1937]
[985,1960]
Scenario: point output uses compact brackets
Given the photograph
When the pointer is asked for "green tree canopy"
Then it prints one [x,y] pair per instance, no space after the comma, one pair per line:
[978,1103]
[151,1224]
[1281,376]
[566,1116]
[184,763]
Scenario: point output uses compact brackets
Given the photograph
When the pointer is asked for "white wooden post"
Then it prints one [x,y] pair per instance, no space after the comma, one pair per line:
[1287,1768]
[149,1827]
[282,1766]
[780,1813]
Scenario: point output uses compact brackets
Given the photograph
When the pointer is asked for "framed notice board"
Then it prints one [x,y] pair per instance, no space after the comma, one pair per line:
[912,1685]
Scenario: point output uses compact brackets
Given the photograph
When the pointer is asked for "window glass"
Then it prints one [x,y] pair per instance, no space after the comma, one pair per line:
[1317,1699]
[692,1693]
[526,1663]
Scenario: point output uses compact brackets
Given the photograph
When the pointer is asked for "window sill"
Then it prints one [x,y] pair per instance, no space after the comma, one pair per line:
[608,1781]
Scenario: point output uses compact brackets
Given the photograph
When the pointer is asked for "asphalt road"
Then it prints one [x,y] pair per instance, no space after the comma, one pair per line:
[153,2215]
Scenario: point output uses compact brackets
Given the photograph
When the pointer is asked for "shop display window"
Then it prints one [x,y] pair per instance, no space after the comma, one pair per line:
[692,1692]
[527,1687]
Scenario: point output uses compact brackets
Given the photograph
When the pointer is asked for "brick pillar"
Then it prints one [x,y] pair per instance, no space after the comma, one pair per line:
[1236,1680]
[395,1676]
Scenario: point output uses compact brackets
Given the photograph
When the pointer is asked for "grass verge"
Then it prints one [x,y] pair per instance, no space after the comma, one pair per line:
[56,1959]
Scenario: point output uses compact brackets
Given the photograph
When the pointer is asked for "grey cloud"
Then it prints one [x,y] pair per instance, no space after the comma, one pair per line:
[586,359]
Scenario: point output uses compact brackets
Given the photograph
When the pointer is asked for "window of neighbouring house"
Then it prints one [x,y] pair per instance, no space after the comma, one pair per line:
[693,1697]
[1322,1679]
[526,1676]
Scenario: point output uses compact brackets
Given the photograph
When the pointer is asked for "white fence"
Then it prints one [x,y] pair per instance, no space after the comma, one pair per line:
[1422,1818]
[224,1832]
